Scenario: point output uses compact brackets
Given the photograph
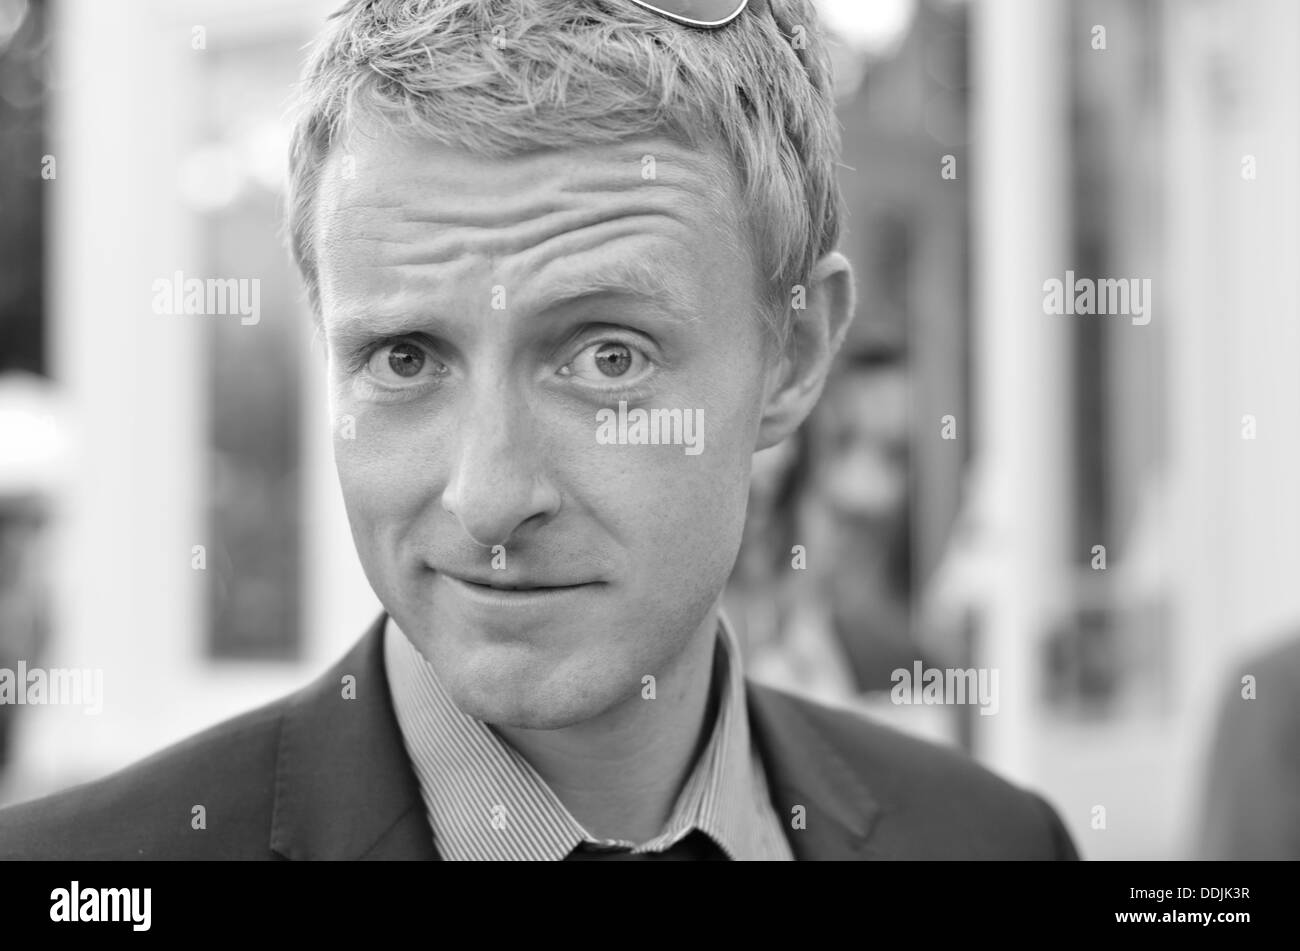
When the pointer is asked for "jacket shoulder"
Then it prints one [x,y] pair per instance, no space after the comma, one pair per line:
[147,810]
[933,801]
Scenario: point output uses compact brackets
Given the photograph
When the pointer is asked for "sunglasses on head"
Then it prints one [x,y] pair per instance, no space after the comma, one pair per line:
[708,14]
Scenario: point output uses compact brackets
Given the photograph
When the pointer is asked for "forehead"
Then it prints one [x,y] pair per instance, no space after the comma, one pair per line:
[401,217]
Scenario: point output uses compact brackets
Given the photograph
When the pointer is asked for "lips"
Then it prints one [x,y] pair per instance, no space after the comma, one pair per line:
[518,600]
[516,584]
[520,587]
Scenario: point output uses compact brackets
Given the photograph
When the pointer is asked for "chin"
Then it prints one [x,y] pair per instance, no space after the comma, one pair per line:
[523,691]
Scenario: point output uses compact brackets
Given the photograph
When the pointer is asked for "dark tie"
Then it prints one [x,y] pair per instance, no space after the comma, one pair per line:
[695,846]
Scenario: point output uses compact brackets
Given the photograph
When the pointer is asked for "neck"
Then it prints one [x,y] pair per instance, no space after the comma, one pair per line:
[620,773]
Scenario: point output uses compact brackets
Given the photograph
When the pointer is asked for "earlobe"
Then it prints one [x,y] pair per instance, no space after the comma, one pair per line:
[816,334]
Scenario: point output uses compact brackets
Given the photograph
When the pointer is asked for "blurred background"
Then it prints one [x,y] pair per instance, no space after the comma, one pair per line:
[1105,512]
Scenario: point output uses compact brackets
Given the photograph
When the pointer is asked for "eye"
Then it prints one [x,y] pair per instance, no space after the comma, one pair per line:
[402,363]
[606,361]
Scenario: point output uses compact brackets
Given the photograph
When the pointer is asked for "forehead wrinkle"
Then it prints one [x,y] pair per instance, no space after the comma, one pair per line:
[406,309]
[635,274]
[529,238]
[561,240]
[528,186]
[558,222]
[461,225]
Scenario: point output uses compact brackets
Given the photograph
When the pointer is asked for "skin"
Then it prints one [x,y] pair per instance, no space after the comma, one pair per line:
[489,439]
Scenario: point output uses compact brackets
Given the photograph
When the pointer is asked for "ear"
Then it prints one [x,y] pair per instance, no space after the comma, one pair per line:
[797,375]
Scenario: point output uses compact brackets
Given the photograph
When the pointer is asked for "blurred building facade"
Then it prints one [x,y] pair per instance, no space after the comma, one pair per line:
[1106,525]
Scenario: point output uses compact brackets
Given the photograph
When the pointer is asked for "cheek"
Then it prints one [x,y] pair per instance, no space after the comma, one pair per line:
[680,517]
[697,528]
[383,481]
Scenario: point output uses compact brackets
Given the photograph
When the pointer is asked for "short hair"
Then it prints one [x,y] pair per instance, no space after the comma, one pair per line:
[567,73]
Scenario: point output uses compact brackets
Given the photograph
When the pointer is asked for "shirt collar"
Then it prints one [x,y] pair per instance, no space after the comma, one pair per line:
[484,800]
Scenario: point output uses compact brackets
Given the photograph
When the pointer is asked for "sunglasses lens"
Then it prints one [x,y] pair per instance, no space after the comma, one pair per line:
[700,12]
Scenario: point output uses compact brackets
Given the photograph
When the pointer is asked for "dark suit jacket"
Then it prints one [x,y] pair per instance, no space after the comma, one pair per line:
[317,776]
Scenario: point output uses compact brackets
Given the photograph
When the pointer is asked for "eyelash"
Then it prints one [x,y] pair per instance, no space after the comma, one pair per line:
[361,358]
[613,386]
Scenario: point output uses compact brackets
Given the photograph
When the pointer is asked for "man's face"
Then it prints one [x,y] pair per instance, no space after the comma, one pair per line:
[479,314]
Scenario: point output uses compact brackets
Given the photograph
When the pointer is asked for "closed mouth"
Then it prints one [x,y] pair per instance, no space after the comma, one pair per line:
[519,587]
[524,587]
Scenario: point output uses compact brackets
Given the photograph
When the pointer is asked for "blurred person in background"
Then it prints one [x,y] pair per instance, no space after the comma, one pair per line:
[28,475]
[844,619]
[1251,807]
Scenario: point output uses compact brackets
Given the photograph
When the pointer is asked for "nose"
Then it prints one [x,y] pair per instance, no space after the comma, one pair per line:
[497,481]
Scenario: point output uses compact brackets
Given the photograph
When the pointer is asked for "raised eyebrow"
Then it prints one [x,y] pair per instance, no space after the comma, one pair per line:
[638,279]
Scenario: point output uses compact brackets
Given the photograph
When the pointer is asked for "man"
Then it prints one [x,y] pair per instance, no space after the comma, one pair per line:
[574,264]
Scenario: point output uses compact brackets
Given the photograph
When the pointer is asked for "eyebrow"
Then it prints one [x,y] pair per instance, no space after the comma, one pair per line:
[638,278]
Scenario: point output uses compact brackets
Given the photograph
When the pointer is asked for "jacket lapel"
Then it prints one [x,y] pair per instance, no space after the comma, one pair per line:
[805,768]
[345,788]
[344,785]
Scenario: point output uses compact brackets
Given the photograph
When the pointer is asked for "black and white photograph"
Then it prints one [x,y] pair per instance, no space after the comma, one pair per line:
[579,430]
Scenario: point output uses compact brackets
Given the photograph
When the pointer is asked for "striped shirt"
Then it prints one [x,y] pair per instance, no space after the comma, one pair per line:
[484,800]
